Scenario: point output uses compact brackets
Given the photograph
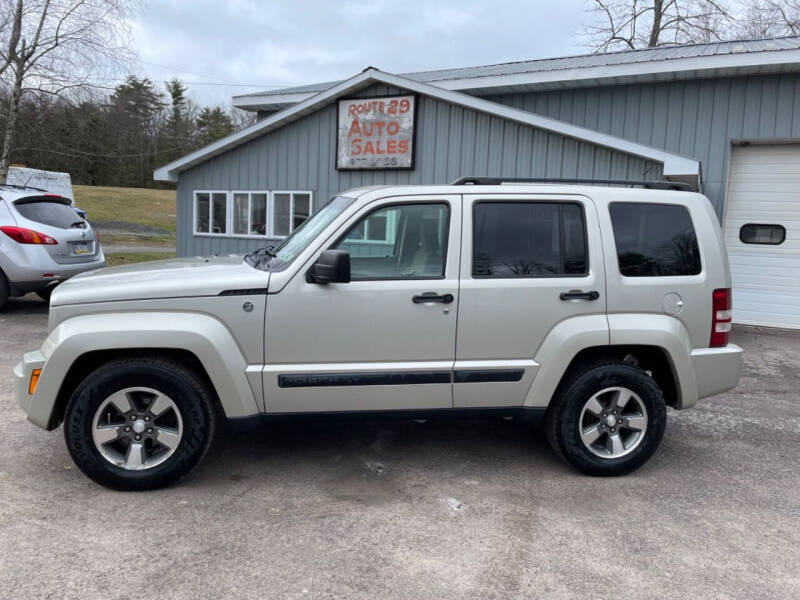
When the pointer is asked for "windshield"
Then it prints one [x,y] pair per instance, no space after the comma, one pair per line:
[300,238]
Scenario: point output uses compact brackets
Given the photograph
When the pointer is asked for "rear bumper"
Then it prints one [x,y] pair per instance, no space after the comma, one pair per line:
[37,412]
[26,275]
[717,370]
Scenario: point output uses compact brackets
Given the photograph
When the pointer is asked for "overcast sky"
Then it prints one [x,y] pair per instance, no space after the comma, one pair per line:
[266,43]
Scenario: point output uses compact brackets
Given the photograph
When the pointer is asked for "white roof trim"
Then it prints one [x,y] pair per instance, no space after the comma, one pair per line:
[674,68]
[675,167]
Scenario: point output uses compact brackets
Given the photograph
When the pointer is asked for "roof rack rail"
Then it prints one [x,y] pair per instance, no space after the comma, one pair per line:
[678,186]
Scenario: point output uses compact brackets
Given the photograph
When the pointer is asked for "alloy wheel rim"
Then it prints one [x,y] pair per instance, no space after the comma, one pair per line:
[613,422]
[137,428]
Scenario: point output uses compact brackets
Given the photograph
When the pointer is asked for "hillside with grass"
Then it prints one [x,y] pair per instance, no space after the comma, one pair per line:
[135,224]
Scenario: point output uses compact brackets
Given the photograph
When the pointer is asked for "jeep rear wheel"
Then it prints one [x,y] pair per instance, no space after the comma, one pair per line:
[607,420]
[137,424]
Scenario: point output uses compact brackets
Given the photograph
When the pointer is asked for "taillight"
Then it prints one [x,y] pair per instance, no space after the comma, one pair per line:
[21,235]
[720,317]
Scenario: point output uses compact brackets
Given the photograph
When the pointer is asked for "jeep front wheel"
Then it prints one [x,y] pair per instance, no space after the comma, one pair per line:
[607,420]
[139,423]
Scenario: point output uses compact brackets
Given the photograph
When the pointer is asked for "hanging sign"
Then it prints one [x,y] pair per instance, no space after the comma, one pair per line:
[376,133]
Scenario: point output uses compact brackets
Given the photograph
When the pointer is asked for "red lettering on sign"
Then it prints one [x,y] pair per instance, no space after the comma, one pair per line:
[355,147]
[368,148]
[393,128]
[391,147]
[354,128]
[402,146]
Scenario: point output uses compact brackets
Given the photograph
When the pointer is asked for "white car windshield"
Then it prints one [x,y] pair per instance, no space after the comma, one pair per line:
[292,246]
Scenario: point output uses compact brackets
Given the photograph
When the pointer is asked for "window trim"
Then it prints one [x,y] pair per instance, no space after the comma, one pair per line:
[445,241]
[210,233]
[560,203]
[271,220]
[782,228]
[700,256]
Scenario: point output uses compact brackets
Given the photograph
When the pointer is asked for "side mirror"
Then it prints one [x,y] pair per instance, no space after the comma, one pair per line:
[332,266]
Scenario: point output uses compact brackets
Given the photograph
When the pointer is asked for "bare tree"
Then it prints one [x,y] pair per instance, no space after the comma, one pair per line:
[771,18]
[56,47]
[632,24]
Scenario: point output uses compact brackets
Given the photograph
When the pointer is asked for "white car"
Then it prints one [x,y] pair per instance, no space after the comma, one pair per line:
[43,241]
[594,307]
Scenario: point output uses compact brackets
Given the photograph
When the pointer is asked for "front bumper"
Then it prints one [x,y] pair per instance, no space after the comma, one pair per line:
[717,370]
[38,411]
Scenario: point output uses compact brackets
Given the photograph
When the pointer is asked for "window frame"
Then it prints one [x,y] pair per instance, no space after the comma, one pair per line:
[562,248]
[271,211]
[228,211]
[445,240]
[782,228]
[700,255]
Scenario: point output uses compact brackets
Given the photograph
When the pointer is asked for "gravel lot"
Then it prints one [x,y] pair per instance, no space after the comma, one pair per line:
[411,510]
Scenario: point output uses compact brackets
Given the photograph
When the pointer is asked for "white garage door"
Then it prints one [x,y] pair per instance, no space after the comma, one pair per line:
[762,232]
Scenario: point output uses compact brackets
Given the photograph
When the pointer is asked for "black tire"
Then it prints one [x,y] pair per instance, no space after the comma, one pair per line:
[188,392]
[46,293]
[562,420]
[4,289]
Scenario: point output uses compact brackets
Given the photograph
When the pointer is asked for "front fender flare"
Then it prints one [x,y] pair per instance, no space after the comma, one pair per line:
[202,335]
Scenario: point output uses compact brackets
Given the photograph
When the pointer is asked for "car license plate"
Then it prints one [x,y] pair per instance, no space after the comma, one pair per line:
[80,248]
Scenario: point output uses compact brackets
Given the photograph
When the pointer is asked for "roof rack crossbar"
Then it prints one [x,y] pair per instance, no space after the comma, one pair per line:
[651,185]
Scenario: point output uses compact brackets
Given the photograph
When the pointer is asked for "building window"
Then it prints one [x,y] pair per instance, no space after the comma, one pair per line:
[211,213]
[289,211]
[250,213]
[528,239]
[771,235]
[654,240]
[257,214]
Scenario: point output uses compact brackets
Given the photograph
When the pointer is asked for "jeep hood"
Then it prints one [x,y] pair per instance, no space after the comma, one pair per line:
[173,278]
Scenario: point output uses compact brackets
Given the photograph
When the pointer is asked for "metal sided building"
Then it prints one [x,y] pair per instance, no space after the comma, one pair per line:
[723,117]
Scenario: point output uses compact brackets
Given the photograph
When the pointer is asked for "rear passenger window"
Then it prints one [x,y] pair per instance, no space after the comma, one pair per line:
[528,239]
[654,240]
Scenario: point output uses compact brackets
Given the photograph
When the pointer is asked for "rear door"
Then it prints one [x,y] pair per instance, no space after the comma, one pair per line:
[54,216]
[528,262]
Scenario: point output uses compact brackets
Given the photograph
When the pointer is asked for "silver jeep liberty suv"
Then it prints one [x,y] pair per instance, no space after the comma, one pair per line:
[594,307]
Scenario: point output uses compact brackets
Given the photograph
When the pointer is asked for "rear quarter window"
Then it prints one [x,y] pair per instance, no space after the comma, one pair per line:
[48,212]
[654,240]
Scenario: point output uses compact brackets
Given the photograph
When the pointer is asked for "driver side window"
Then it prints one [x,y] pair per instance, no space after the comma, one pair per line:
[402,241]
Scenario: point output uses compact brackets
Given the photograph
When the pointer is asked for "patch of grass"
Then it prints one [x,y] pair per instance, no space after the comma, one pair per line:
[127,239]
[126,258]
[154,208]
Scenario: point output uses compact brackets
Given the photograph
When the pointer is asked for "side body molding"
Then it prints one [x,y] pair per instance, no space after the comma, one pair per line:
[204,336]
[560,346]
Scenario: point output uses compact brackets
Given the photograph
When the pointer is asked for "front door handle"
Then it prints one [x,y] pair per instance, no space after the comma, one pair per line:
[579,295]
[432,297]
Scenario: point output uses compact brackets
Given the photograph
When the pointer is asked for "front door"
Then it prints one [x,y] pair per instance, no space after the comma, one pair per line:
[529,262]
[386,340]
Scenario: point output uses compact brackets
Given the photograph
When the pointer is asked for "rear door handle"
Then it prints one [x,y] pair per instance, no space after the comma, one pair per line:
[579,295]
[432,297]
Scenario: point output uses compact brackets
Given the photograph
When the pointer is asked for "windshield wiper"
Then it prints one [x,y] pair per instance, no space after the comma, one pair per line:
[260,257]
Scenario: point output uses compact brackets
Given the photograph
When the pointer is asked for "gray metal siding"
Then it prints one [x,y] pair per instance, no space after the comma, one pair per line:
[450,142]
[698,118]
